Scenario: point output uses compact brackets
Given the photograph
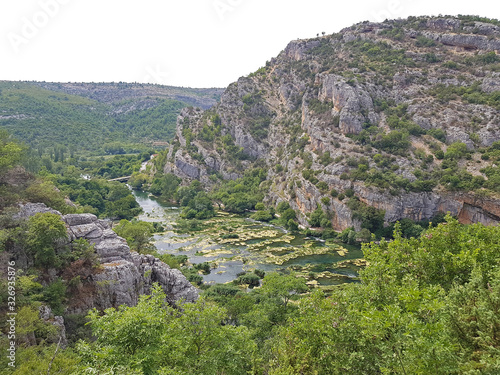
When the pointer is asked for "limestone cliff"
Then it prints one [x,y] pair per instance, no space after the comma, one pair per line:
[372,110]
[123,275]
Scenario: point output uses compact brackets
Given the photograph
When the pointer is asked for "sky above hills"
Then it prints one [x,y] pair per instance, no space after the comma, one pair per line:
[195,43]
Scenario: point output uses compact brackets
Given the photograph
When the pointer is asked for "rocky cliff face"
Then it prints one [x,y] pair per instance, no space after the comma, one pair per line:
[123,275]
[366,110]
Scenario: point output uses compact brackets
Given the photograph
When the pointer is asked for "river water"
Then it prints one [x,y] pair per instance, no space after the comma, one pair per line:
[256,245]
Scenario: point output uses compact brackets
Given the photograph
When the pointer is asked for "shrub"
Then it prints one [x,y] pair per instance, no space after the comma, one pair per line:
[54,294]
[396,142]
[292,225]
[488,58]
[260,206]
[328,234]
[450,65]
[422,41]
[348,236]
[439,134]
[252,279]
[173,261]
[203,267]
[456,150]
[282,206]
[322,186]
[287,215]
[46,232]
[262,216]
[316,217]
[325,158]
[349,192]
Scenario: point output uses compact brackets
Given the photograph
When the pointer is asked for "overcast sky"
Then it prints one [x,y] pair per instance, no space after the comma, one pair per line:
[195,43]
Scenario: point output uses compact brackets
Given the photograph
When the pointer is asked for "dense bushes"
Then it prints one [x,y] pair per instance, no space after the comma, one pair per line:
[242,194]
[396,142]
[472,94]
[103,198]
[370,217]
[426,305]
[46,234]
[288,216]
[319,218]
[119,166]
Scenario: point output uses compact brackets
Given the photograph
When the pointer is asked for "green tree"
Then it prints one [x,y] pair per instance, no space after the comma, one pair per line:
[286,215]
[473,320]
[263,215]
[137,233]
[154,338]
[137,180]
[46,236]
[317,218]
[37,359]
[199,207]
[166,186]
[283,287]
[198,343]
[128,336]
[11,152]
[456,150]
[55,295]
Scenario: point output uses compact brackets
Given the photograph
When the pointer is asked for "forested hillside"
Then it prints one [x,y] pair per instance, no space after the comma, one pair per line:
[97,118]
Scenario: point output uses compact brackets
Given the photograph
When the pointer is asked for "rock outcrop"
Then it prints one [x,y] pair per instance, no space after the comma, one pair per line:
[46,314]
[349,103]
[123,275]
[296,50]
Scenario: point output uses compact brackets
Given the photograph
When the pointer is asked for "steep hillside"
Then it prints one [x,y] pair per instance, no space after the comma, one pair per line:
[95,117]
[383,120]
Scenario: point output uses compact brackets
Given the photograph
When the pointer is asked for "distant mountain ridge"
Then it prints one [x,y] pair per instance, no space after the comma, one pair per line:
[115,93]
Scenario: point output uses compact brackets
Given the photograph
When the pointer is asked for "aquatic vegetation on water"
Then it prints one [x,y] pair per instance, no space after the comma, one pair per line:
[232,244]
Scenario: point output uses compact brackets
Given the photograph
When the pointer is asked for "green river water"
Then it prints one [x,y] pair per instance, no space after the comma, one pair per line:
[258,245]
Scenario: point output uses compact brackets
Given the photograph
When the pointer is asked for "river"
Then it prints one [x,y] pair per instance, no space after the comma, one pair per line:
[252,245]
